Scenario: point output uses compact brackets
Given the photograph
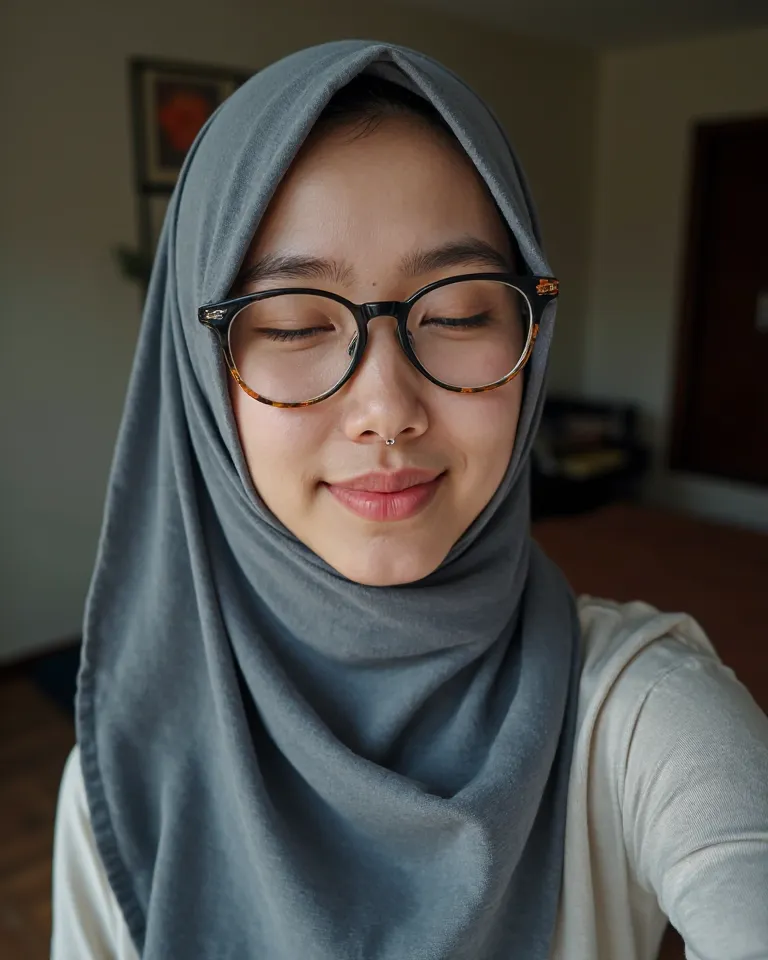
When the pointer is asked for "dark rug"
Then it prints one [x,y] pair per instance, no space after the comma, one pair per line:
[56,675]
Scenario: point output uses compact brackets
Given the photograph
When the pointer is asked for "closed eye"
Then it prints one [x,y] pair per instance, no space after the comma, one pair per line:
[478,320]
[284,336]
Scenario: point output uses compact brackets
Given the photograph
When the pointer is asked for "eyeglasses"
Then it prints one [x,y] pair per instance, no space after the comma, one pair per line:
[295,346]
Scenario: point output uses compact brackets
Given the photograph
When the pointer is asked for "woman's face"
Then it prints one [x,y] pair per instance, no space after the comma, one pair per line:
[365,211]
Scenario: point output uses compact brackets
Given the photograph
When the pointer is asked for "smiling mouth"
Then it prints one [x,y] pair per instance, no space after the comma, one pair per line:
[385,497]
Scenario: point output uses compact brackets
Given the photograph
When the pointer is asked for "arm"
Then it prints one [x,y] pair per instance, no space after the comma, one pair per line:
[695,809]
[87,924]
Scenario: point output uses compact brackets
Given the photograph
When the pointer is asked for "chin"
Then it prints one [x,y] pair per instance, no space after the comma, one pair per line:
[390,565]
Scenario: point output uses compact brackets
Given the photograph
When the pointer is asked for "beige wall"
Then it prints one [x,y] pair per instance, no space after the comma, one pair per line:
[70,321]
[649,100]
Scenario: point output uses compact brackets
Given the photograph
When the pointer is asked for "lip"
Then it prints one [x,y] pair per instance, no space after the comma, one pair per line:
[388,496]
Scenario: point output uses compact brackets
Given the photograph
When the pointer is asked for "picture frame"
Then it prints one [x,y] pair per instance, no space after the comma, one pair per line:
[170,101]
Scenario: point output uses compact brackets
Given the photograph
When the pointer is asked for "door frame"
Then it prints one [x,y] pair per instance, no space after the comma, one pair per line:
[703,137]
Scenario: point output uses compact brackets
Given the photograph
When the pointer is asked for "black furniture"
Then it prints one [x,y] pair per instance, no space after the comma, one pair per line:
[586,454]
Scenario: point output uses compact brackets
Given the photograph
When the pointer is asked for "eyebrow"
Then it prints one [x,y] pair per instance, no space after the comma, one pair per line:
[293,267]
[467,251]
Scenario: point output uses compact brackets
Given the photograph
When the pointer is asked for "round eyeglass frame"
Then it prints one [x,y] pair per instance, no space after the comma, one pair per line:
[538,292]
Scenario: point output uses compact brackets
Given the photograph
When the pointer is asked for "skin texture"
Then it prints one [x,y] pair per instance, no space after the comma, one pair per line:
[366,202]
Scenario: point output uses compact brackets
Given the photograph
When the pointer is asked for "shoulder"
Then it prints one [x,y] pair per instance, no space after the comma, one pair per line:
[627,648]
[87,922]
[615,634]
[72,806]
[74,842]
[658,681]
[670,768]
[650,678]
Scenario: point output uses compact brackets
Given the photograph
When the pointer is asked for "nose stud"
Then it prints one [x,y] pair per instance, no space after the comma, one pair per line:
[390,443]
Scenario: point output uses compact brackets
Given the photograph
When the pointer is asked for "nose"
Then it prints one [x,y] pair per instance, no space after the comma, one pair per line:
[385,397]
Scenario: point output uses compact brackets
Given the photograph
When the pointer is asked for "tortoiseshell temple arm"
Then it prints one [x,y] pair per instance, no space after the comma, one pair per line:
[547,286]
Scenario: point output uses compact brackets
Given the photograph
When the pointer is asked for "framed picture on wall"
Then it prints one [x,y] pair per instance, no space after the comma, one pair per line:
[170,103]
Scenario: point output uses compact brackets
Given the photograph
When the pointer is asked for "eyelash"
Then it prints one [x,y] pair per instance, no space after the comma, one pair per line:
[478,320]
[285,336]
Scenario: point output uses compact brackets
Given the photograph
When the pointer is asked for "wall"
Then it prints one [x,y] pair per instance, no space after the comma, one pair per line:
[648,101]
[70,321]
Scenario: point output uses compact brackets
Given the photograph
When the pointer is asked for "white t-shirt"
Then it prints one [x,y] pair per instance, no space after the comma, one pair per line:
[667,808]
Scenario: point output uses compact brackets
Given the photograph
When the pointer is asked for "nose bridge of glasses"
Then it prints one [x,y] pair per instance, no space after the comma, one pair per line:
[383,308]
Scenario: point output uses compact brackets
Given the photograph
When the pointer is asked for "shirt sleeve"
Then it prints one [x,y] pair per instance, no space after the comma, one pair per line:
[695,808]
[87,923]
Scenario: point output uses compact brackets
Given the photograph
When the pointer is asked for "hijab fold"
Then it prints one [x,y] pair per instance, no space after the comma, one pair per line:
[279,762]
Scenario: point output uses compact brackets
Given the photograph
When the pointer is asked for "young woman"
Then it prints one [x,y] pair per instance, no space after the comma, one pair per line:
[334,702]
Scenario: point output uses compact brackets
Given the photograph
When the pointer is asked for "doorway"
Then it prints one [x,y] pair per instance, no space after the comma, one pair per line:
[720,425]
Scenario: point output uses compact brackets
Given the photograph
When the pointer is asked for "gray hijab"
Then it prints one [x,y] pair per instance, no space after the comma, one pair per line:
[281,763]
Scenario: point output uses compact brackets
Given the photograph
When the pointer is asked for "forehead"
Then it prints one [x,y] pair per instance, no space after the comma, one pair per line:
[401,185]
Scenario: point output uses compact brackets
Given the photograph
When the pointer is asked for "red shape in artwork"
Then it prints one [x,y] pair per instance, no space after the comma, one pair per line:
[181,117]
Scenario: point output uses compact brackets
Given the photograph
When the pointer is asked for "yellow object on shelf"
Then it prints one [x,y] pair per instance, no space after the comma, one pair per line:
[591,463]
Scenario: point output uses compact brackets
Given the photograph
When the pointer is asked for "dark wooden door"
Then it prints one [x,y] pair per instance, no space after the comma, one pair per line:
[721,416]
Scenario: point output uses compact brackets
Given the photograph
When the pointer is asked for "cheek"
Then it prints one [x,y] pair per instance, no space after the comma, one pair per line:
[279,447]
[483,427]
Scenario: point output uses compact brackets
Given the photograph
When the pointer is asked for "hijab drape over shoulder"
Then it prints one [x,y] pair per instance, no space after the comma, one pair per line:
[281,763]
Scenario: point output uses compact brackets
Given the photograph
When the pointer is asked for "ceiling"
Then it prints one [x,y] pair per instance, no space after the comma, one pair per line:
[606,23]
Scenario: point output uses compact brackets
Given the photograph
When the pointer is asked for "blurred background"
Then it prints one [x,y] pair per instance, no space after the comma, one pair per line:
[643,128]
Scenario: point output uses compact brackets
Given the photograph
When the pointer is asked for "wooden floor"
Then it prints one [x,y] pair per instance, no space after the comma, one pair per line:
[715,573]
[35,739]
